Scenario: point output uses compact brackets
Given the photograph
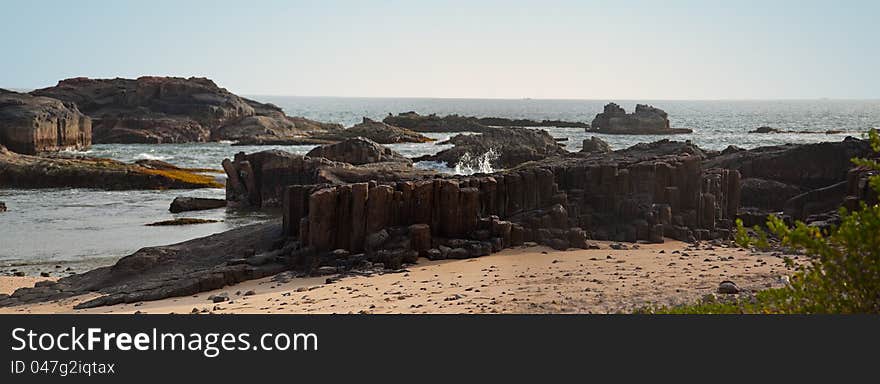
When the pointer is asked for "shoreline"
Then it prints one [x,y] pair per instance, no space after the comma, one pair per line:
[533,279]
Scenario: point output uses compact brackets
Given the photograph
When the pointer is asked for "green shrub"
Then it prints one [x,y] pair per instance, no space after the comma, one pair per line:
[843,275]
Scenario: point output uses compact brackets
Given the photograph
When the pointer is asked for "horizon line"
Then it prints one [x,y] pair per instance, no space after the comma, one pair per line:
[567,98]
[611,99]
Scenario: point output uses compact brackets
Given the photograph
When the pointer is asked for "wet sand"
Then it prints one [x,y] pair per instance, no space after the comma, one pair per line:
[521,280]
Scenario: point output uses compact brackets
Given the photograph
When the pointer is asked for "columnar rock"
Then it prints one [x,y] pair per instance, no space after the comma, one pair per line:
[271,172]
[646,120]
[31,124]
[322,219]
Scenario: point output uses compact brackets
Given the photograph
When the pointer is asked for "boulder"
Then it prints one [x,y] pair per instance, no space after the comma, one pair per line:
[32,124]
[646,120]
[358,151]
[2,206]
[595,144]
[183,204]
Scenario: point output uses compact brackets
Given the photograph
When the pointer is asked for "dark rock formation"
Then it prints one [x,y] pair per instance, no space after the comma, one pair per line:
[775,130]
[595,144]
[30,124]
[434,123]
[358,151]
[273,129]
[765,130]
[802,180]
[513,147]
[382,133]
[808,166]
[377,131]
[186,268]
[2,206]
[24,171]
[181,221]
[504,122]
[173,110]
[769,195]
[817,201]
[560,202]
[184,204]
[258,179]
[456,123]
[646,120]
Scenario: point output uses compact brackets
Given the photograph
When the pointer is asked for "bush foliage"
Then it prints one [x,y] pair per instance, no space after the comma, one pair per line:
[843,275]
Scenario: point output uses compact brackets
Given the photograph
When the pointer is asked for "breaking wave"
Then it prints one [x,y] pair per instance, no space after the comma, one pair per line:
[469,165]
[147,156]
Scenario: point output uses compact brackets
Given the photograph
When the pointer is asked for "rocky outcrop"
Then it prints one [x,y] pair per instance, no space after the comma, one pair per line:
[646,120]
[377,131]
[172,110]
[808,166]
[182,269]
[25,171]
[803,181]
[434,123]
[513,146]
[766,129]
[456,123]
[30,124]
[561,202]
[769,195]
[358,151]
[595,144]
[383,133]
[273,129]
[259,179]
[184,204]
[505,122]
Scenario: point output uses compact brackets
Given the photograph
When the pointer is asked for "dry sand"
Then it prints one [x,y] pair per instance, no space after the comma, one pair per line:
[520,280]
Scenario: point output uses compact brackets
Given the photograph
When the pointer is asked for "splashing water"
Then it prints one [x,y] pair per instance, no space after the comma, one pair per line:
[468,164]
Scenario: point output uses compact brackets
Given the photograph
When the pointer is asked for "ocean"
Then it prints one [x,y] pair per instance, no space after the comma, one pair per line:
[95,227]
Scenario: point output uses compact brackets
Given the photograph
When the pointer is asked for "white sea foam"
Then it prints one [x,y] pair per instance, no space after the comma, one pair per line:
[469,165]
[148,156]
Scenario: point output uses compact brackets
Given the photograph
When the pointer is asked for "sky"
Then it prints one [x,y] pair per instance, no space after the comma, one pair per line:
[551,49]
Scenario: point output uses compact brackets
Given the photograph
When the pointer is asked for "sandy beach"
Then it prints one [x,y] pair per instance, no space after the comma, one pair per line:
[531,279]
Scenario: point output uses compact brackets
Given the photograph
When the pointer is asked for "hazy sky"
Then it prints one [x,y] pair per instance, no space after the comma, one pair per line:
[506,49]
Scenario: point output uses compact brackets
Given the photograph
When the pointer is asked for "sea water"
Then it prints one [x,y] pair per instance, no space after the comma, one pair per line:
[81,225]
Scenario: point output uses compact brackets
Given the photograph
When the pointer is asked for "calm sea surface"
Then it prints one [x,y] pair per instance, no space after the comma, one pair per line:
[97,227]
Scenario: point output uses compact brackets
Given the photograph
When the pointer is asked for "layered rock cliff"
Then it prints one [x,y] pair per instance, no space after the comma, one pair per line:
[30,124]
[173,110]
